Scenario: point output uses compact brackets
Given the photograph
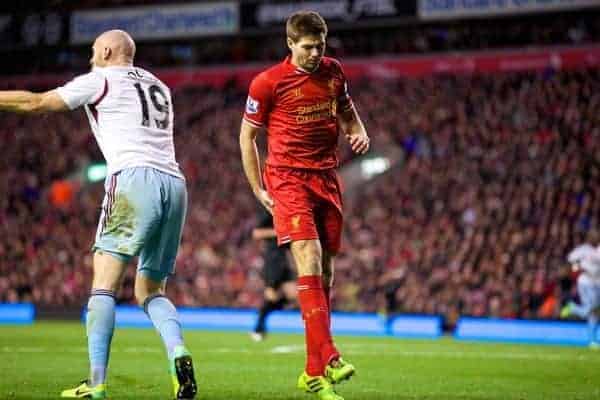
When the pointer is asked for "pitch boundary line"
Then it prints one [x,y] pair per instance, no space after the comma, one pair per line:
[361,350]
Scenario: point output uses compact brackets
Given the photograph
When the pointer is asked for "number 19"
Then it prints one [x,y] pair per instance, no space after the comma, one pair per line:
[161,106]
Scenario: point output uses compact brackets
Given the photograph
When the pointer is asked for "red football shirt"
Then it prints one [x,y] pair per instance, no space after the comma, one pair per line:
[299,110]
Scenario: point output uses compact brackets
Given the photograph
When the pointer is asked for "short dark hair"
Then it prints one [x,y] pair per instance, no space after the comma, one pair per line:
[304,23]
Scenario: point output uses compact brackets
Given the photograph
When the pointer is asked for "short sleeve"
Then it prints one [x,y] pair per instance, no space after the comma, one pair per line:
[84,89]
[259,101]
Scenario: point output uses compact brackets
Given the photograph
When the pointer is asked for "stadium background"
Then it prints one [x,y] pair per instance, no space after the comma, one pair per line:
[482,174]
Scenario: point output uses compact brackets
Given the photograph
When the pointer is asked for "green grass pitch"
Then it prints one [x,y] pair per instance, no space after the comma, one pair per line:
[39,360]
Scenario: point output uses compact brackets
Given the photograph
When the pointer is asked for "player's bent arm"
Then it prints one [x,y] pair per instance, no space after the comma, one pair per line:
[352,126]
[251,163]
[22,101]
[250,158]
[263,233]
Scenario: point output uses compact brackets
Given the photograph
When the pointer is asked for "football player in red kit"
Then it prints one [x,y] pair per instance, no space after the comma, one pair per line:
[303,104]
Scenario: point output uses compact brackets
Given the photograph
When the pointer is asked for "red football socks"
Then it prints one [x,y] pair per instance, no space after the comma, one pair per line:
[320,349]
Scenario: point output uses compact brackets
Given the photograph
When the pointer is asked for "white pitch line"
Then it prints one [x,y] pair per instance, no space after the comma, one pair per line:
[152,350]
[351,349]
[287,349]
[362,350]
[7,349]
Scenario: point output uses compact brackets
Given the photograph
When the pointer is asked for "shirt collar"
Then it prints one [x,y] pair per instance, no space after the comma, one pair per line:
[298,70]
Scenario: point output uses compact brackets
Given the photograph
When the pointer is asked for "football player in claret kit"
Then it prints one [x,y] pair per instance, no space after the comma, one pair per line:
[303,104]
[131,115]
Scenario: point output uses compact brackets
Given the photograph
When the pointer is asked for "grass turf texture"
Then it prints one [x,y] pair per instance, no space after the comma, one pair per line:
[38,361]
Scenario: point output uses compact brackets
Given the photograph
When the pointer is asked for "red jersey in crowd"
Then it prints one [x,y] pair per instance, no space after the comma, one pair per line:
[299,110]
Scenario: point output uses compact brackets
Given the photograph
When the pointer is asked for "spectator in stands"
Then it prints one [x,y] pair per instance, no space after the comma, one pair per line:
[497,185]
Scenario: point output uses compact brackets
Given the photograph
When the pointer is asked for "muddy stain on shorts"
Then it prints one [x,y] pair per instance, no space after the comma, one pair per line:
[121,223]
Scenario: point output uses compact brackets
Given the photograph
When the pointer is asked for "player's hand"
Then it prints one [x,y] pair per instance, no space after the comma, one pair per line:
[359,142]
[265,199]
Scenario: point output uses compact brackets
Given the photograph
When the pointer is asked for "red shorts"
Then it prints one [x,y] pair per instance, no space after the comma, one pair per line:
[308,205]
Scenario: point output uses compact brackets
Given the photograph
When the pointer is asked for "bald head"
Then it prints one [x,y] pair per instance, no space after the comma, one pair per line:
[113,47]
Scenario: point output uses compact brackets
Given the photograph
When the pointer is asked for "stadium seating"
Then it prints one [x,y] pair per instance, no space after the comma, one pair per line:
[495,189]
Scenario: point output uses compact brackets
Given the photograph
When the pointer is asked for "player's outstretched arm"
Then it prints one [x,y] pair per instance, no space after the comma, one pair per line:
[251,163]
[352,126]
[21,101]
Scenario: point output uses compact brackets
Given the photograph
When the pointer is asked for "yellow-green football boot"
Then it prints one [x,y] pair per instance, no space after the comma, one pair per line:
[319,386]
[85,391]
[567,310]
[339,371]
[182,374]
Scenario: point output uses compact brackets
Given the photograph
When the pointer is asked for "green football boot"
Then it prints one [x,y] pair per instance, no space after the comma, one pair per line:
[340,371]
[182,374]
[319,386]
[566,311]
[84,391]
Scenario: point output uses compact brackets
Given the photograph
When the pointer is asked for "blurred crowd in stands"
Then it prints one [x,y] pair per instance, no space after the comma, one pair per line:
[498,182]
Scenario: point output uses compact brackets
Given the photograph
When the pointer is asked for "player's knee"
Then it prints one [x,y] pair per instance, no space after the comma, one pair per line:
[289,290]
[106,283]
[146,286]
[308,256]
[140,297]
[108,270]
[142,293]
[271,294]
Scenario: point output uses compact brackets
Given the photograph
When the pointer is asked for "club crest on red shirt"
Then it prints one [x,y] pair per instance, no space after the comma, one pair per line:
[296,222]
